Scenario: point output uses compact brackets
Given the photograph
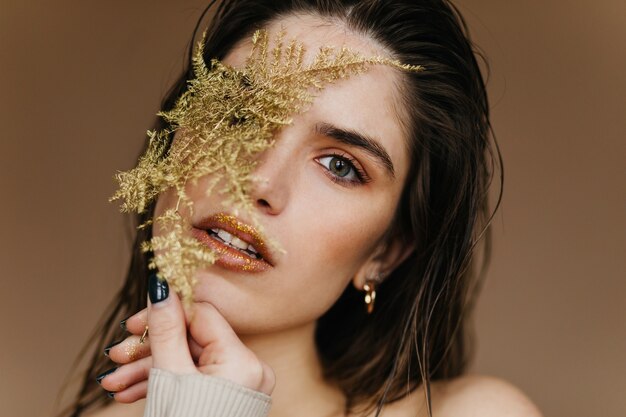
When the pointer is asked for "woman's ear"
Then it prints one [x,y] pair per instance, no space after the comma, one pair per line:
[385,258]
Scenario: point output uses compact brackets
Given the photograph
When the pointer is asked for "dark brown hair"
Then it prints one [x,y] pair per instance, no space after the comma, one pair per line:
[418,332]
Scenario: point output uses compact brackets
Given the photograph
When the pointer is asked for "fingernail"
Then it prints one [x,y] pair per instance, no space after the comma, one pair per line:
[100,377]
[123,323]
[109,347]
[158,290]
[110,394]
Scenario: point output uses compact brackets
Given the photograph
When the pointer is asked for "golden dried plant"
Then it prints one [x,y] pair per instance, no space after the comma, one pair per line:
[224,118]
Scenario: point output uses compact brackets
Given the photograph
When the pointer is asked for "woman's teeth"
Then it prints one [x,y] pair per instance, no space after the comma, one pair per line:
[235,242]
[224,235]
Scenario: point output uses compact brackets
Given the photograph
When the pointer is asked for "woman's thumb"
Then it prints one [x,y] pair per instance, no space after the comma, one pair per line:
[167,329]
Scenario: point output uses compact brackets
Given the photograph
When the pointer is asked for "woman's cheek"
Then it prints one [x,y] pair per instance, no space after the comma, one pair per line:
[334,260]
[339,242]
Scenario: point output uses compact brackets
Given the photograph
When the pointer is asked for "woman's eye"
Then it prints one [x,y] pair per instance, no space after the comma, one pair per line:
[338,166]
[343,170]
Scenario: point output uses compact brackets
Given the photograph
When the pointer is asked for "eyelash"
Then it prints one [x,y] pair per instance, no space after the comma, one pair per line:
[361,175]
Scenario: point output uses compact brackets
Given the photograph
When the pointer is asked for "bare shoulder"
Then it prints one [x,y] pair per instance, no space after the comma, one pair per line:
[120,410]
[484,396]
[466,396]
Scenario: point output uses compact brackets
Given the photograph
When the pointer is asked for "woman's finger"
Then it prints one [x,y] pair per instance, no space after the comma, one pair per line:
[136,324]
[223,353]
[269,379]
[126,376]
[132,394]
[207,327]
[129,350]
[194,348]
[167,329]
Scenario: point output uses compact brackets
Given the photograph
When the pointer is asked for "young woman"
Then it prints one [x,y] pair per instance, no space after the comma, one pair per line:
[378,191]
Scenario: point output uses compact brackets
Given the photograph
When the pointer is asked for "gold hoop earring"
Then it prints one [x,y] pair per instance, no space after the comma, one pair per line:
[370,294]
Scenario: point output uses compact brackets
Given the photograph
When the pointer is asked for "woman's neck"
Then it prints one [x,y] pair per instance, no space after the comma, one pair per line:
[300,388]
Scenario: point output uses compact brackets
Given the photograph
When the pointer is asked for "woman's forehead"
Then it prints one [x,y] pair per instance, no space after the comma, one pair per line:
[368,103]
[314,32]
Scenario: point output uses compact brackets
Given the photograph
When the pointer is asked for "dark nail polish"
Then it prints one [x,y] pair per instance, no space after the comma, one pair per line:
[158,290]
[110,346]
[123,323]
[110,394]
[100,377]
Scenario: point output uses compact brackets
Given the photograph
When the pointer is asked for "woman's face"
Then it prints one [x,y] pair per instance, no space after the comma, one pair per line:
[327,192]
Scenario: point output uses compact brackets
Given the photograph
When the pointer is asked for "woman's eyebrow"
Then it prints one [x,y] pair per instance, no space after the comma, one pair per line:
[352,138]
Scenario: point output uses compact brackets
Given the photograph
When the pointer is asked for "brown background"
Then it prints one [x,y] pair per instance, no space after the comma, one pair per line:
[80,82]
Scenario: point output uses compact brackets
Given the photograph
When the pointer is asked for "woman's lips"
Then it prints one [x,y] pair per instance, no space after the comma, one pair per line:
[241,235]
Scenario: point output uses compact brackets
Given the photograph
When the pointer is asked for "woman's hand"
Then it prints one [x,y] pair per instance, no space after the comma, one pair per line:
[193,342]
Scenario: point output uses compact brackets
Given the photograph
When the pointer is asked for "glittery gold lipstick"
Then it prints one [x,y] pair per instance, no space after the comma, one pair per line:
[238,245]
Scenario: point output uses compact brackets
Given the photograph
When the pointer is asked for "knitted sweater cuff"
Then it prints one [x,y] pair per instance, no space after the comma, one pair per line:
[197,395]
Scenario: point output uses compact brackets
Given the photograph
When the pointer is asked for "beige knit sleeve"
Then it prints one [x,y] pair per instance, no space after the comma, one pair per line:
[173,395]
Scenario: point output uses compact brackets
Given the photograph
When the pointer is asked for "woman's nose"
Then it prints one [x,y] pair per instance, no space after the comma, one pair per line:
[272,179]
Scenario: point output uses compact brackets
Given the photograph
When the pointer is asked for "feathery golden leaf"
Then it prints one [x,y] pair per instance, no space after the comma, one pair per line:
[225,118]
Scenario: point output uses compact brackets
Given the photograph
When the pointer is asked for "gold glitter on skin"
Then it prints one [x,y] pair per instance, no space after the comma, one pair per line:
[225,118]
[132,350]
[232,220]
[237,225]
[243,258]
